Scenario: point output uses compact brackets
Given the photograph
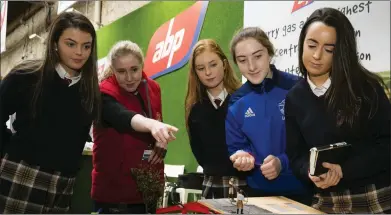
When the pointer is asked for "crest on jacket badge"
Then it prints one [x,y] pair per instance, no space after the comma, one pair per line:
[281,106]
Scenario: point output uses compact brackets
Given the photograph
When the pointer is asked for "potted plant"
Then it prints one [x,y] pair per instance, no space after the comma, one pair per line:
[150,183]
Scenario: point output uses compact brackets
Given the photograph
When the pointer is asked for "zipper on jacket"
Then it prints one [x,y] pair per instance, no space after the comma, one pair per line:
[140,99]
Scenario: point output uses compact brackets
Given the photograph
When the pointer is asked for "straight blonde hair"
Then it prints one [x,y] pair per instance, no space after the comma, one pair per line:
[120,49]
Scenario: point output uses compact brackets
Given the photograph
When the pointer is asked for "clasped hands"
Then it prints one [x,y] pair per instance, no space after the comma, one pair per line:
[244,161]
[331,178]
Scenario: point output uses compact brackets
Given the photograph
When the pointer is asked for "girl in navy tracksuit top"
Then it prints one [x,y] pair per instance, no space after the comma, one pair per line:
[255,126]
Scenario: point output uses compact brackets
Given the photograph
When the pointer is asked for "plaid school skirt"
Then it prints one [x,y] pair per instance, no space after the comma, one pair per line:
[26,189]
[366,200]
[218,186]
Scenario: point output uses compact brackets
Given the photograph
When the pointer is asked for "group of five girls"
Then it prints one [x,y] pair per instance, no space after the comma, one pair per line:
[256,135]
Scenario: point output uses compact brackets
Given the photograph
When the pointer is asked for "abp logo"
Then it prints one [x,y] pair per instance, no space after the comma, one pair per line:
[170,46]
[297,5]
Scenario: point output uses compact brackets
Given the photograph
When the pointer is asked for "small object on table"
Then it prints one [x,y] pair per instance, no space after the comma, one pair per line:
[231,189]
[239,202]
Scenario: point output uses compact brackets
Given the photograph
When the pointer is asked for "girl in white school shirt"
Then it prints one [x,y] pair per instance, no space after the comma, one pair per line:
[339,101]
[55,99]
[211,82]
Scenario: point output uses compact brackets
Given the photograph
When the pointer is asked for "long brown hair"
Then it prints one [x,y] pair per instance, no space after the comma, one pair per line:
[45,69]
[352,85]
[195,89]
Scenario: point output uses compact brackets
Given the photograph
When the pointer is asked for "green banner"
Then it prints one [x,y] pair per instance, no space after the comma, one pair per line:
[220,23]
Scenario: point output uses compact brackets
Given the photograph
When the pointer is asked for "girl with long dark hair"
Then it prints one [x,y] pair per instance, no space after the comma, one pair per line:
[339,101]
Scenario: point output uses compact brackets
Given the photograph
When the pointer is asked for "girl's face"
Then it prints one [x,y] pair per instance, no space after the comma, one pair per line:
[318,48]
[74,48]
[128,72]
[253,60]
[209,69]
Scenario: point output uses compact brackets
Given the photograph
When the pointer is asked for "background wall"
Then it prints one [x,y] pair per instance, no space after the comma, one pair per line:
[221,21]
[20,47]
[370,19]
[139,21]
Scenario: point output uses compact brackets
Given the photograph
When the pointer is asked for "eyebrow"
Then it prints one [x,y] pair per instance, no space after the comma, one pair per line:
[132,67]
[76,41]
[326,44]
[199,65]
[256,52]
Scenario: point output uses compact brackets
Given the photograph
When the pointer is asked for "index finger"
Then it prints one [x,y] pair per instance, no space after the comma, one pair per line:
[172,128]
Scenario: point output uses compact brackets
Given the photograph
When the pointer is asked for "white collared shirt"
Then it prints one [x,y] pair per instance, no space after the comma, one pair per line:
[63,74]
[221,96]
[319,91]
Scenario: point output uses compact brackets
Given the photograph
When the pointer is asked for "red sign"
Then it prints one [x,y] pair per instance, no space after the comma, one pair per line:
[297,5]
[170,46]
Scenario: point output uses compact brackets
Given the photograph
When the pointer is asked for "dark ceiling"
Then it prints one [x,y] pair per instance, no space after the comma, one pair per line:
[16,8]
[19,11]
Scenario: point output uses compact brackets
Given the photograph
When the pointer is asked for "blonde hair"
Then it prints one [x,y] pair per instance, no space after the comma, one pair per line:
[120,49]
[195,88]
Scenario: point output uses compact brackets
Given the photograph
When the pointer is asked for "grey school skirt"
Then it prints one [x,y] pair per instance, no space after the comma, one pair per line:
[25,188]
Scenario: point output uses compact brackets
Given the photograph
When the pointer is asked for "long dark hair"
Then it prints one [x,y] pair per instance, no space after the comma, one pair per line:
[352,85]
[45,69]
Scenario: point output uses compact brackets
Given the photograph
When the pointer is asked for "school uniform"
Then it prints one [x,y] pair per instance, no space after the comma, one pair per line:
[118,148]
[365,186]
[206,125]
[40,161]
